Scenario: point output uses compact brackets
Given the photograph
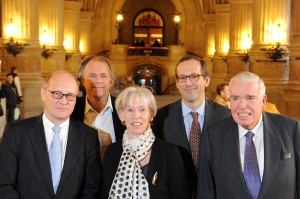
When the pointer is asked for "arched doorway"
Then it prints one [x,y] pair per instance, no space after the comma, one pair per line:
[148,76]
[148,29]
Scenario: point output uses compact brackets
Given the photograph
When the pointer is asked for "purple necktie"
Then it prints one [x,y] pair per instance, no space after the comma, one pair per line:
[251,170]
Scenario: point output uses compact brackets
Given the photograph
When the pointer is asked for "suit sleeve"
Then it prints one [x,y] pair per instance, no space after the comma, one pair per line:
[297,157]
[8,165]
[206,183]
[93,171]
[179,180]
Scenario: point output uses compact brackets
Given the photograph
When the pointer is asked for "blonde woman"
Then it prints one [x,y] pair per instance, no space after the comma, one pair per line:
[142,166]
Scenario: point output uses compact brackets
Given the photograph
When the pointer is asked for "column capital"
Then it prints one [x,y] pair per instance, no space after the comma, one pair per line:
[86,15]
[222,8]
[72,5]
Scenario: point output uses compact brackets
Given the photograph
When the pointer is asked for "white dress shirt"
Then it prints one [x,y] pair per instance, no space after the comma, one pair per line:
[63,135]
[103,120]
[258,140]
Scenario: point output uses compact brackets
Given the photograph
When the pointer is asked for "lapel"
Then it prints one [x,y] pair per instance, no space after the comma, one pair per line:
[153,163]
[118,126]
[38,140]
[174,129]
[234,167]
[272,150]
[74,145]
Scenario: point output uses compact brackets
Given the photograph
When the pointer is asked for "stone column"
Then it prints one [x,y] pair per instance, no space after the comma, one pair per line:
[267,15]
[221,44]
[72,35]
[240,36]
[25,19]
[210,31]
[52,35]
[85,32]
[291,95]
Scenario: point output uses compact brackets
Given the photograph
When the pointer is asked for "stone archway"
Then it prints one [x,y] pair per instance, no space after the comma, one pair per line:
[148,76]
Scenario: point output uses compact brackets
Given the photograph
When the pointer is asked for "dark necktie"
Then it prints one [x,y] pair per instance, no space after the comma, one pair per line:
[195,137]
[251,170]
[55,158]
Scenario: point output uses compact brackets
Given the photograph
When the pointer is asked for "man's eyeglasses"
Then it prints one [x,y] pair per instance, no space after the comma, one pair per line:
[192,77]
[59,95]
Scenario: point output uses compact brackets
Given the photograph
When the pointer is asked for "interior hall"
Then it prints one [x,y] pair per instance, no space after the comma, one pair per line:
[145,40]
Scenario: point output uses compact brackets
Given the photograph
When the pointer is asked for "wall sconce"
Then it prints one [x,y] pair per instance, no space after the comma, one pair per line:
[244,56]
[276,52]
[47,52]
[13,47]
[176,25]
[119,23]
[68,55]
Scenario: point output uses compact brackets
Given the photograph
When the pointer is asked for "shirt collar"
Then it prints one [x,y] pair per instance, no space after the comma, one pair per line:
[257,130]
[108,105]
[186,110]
[49,124]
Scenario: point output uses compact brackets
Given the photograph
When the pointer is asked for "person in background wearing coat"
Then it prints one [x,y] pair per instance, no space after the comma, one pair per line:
[51,155]
[253,154]
[142,166]
[222,97]
[96,108]
[17,82]
[9,91]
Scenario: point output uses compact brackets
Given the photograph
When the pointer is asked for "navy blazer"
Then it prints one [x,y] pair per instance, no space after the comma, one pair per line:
[78,114]
[25,166]
[172,180]
[220,172]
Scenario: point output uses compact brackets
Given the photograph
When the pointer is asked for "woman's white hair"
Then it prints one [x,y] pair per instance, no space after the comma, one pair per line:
[128,95]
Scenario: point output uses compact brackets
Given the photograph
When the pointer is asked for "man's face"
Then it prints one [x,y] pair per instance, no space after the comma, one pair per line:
[59,110]
[193,93]
[97,80]
[9,79]
[246,103]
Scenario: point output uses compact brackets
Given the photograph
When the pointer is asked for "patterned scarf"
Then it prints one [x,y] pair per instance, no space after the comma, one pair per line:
[129,181]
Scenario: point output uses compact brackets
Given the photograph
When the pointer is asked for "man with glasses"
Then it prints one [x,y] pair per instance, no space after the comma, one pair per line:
[97,108]
[51,155]
[183,121]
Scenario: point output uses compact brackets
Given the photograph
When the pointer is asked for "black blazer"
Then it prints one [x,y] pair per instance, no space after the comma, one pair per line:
[25,167]
[172,181]
[78,114]
[220,171]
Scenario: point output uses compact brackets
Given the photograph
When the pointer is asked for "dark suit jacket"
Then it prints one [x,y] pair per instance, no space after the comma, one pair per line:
[78,114]
[172,181]
[25,167]
[220,172]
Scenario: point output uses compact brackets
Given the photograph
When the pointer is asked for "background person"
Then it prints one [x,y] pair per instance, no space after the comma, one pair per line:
[38,162]
[96,108]
[9,91]
[17,82]
[253,154]
[142,166]
[222,96]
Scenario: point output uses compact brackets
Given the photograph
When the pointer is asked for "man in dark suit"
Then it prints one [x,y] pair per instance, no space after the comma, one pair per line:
[173,122]
[38,162]
[253,154]
[97,107]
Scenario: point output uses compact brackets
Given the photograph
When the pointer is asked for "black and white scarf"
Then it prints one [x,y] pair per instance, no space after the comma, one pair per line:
[129,181]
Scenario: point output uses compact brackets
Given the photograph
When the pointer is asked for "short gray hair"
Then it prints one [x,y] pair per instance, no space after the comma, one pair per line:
[247,76]
[133,92]
[99,59]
